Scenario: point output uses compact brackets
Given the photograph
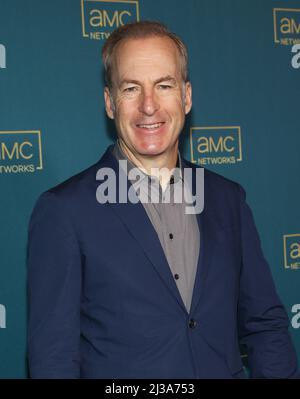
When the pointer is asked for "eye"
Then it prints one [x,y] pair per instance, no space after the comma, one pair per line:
[130,89]
[164,87]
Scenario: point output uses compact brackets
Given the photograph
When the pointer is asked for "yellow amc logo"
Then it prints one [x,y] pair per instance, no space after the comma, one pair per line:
[286,26]
[20,151]
[291,248]
[216,145]
[101,17]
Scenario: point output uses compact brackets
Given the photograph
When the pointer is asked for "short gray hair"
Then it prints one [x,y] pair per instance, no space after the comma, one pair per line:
[140,30]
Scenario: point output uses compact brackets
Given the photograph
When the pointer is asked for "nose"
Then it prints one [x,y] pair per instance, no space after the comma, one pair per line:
[148,103]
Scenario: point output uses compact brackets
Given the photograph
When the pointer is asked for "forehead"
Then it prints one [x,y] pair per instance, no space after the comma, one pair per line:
[148,56]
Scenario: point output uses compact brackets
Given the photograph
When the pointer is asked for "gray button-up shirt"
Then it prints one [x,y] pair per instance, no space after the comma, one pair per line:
[177,231]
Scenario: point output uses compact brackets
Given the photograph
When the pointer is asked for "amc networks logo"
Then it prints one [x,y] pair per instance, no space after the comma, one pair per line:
[101,17]
[216,145]
[291,248]
[286,26]
[20,151]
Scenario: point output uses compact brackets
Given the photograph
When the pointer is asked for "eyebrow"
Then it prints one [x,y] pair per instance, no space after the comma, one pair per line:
[167,78]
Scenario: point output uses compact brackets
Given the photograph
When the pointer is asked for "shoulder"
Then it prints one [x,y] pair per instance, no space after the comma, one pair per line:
[223,198]
[80,186]
[75,197]
[66,199]
[75,184]
[215,182]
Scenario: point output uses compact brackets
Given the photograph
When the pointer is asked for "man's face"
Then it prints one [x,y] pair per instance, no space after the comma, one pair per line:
[150,98]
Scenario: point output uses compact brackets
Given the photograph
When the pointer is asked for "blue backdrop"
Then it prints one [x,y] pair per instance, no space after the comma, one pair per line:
[245,71]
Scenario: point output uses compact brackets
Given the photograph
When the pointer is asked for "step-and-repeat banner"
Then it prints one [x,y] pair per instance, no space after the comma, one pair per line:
[245,71]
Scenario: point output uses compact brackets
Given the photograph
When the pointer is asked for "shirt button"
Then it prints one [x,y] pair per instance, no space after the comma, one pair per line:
[171,236]
[176,276]
[192,323]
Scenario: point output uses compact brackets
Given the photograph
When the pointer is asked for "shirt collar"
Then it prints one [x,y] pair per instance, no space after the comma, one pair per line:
[175,177]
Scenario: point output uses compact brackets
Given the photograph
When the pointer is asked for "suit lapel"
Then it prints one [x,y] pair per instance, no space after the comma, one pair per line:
[136,220]
[206,246]
[140,227]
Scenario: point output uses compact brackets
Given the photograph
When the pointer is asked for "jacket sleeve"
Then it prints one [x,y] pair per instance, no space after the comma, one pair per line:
[54,292]
[262,320]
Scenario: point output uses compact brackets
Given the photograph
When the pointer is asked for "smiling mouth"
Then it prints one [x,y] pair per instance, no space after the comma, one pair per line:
[152,126]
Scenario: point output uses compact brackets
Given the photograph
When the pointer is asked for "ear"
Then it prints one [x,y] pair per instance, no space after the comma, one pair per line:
[109,107]
[188,97]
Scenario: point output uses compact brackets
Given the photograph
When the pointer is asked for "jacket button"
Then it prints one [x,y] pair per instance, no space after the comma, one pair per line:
[192,323]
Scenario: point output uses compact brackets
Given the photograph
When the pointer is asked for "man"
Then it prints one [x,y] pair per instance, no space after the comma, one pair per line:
[146,290]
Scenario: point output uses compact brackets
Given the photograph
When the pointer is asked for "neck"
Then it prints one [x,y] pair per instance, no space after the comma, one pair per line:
[160,166]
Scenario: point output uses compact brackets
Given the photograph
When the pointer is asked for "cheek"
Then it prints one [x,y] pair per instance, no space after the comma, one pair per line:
[124,114]
[127,105]
[174,105]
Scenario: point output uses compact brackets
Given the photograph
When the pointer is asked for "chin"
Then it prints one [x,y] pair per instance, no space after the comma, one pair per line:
[151,149]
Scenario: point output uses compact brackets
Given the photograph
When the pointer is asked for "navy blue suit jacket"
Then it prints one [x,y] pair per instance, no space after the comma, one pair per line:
[103,302]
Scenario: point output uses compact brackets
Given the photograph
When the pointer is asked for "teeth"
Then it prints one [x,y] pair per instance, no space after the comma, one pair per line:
[154,126]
